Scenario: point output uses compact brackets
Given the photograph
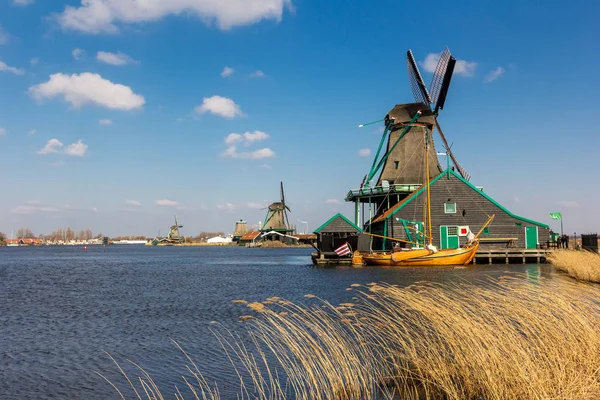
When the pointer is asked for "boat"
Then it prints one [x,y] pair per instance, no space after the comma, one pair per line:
[421,254]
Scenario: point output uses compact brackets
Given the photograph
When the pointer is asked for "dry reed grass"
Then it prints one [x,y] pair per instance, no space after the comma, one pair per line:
[510,338]
[582,265]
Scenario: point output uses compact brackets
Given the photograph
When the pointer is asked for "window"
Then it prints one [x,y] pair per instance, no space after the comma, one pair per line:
[518,225]
[396,164]
[452,231]
[486,230]
[450,208]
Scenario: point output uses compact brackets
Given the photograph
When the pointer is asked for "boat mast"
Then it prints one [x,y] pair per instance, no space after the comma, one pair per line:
[429,229]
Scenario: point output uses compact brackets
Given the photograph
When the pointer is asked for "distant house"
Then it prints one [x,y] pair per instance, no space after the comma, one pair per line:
[309,238]
[24,241]
[249,237]
[335,233]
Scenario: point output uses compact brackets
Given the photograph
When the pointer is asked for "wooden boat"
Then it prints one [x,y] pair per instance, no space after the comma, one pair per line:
[424,257]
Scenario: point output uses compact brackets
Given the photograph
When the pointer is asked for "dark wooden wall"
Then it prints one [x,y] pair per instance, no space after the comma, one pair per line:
[472,209]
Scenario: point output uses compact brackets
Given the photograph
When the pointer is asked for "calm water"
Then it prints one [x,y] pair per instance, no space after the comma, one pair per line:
[61,308]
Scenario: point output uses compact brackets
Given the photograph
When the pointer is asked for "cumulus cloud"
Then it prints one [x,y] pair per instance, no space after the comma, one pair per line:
[76,149]
[78,54]
[232,152]
[32,209]
[493,75]
[88,89]
[166,203]
[104,16]
[332,201]
[32,132]
[2,131]
[133,203]
[105,122]
[247,138]
[221,106]
[7,68]
[364,152]
[256,206]
[53,146]
[257,74]
[117,59]
[22,2]
[226,207]
[462,67]
[227,71]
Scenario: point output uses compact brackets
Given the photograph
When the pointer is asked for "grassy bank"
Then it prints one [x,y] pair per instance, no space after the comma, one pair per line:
[505,339]
[582,265]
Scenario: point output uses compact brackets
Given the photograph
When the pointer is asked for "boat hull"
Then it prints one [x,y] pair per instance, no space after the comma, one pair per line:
[446,257]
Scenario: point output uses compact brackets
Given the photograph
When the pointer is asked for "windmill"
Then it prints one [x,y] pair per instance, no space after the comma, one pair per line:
[174,235]
[277,216]
[436,96]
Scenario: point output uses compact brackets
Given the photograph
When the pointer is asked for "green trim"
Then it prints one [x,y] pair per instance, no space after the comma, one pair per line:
[385,228]
[423,188]
[333,218]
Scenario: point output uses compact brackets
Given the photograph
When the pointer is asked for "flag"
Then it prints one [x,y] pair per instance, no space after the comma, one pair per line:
[343,250]
[556,215]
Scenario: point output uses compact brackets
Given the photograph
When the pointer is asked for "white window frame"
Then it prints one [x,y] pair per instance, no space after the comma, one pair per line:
[446,208]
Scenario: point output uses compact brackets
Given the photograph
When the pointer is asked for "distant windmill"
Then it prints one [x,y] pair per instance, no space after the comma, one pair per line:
[277,216]
[174,232]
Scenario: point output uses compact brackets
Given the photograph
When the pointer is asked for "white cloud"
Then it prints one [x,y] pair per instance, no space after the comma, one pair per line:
[227,71]
[52,146]
[2,131]
[332,201]
[233,138]
[78,54]
[103,16]
[34,61]
[32,132]
[462,67]
[568,203]
[105,122]
[166,203]
[256,206]
[232,152]
[257,74]
[248,138]
[76,149]
[226,207]
[221,106]
[364,152]
[114,59]
[88,89]
[32,209]
[7,68]
[22,2]
[133,203]
[495,74]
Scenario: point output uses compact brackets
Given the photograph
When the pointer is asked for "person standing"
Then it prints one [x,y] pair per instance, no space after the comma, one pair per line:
[558,241]
[566,241]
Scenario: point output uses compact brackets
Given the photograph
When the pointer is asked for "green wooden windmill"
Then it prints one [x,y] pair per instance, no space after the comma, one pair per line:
[174,236]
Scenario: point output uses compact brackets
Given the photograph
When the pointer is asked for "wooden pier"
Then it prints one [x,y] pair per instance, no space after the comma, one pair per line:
[511,256]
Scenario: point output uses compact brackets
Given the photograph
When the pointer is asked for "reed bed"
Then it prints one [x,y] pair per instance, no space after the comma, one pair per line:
[509,338]
[582,265]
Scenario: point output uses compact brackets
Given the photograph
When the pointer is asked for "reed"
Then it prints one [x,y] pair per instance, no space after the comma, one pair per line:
[582,265]
[510,338]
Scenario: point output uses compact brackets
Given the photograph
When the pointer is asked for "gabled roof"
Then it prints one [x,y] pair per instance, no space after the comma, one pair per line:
[250,236]
[336,216]
[392,211]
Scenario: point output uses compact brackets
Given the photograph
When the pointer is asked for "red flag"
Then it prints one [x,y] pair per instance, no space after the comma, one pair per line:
[343,250]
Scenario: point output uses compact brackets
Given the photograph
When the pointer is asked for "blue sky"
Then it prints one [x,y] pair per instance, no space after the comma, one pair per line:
[114,117]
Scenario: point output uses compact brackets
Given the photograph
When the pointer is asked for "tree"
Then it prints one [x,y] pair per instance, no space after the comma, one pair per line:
[2,239]
[24,233]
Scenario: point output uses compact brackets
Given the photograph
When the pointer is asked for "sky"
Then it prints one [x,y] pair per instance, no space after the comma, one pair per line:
[115,115]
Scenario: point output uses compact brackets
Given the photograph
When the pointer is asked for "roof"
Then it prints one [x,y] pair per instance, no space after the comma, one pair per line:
[23,240]
[417,192]
[306,236]
[336,216]
[248,236]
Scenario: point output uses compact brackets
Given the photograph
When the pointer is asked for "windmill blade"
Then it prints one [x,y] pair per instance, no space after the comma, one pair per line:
[417,85]
[282,194]
[461,170]
[441,79]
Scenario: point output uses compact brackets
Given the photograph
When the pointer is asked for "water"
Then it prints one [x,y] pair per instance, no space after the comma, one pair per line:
[61,308]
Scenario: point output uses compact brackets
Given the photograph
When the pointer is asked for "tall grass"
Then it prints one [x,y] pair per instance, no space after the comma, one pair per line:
[582,265]
[509,338]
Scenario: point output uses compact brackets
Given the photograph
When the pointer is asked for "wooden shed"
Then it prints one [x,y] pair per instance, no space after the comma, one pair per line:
[457,208]
[334,233]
